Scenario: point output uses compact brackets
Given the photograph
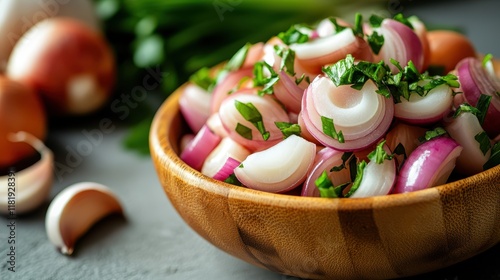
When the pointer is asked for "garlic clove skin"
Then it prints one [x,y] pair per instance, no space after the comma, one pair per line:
[27,189]
[75,210]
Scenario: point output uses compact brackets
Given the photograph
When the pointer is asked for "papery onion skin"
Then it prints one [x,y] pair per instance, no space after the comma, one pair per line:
[270,110]
[474,81]
[429,165]
[280,168]
[194,105]
[197,150]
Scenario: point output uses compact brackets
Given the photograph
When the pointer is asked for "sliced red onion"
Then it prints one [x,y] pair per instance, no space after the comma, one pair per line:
[228,83]
[185,140]
[199,148]
[378,178]
[255,53]
[194,104]
[421,31]
[474,81]
[217,159]
[280,168]
[270,110]
[325,159]
[405,135]
[428,109]
[227,169]
[428,166]
[400,43]
[288,92]
[317,53]
[362,116]
[464,129]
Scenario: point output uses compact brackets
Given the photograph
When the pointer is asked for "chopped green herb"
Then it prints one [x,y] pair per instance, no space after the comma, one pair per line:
[484,142]
[287,59]
[359,178]
[341,72]
[376,41]
[345,157]
[203,79]
[302,78]
[399,17]
[482,105]
[336,25]
[233,180]
[329,129]
[352,167]
[358,25]
[244,131]
[400,150]
[239,57]
[260,78]
[487,58]
[375,21]
[379,154]
[494,157]
[431,134]
[294,35]
[288,129]
[466,108]
[251,114]
[326,187]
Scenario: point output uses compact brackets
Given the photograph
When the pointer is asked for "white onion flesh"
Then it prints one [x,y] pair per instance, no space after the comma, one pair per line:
[426,109]
[280,168]
[463,129]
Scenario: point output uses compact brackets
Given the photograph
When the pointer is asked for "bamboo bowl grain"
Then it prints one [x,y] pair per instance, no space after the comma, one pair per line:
[315,238]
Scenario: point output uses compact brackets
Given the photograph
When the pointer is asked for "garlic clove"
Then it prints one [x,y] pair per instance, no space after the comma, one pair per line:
[23,191]
[75,210]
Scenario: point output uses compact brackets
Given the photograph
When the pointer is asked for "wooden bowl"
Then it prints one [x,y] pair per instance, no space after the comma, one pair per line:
[317,238]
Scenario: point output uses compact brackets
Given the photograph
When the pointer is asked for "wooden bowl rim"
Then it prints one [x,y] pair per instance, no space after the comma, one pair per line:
[162,149]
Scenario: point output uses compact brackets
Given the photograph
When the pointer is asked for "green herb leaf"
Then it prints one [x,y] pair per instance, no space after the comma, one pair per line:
[399,17]
[487,58]
[494,159]
[376,41]
[252,114]
[287,59]
[358,25]
[341,72]
[329,129]
[482,105]
[294,35]
[288,129]
[326,187]
[431,134]
[233,180]
[336,25]
[260,78]
[375,21]
[359,178]
[239,57]
[484,142]
[379,154]
[244,131]
[203,79]
[345,157]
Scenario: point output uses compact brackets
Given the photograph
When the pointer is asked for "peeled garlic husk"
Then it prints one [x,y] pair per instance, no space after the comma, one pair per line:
[24,190]
[75,210]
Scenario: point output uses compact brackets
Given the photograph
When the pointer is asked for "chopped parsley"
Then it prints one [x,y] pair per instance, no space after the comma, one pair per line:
[345,157]
[203,79]
[376,41]
[288,129]
[287,59]
[479,111]
[379,154]
[233,180]
[296,34]
[484,142]
[359,178]
[329,129]
[326,187]
[251,114]
[487,59]
[261,79]
[431,134]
